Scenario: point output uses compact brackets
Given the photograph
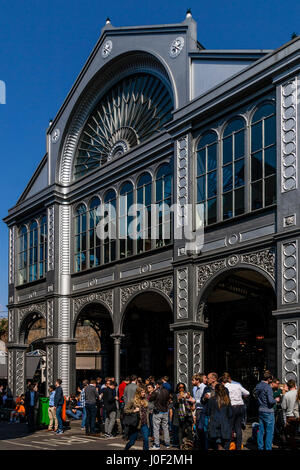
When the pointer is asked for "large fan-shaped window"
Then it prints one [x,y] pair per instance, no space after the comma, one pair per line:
[129,113]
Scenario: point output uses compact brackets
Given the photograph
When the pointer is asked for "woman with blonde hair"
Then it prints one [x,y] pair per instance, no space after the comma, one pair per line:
[136,418]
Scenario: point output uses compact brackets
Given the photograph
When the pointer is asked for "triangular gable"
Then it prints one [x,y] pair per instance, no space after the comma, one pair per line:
[38,182]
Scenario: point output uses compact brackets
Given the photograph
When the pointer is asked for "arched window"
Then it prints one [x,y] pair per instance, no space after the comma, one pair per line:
[125,203]
[80,251]
[94,240]
[263,157]
[43,247]
[207,176]
[163,200]
[110,214]
[233,169]
[33,251]
[23,253]
[144,191]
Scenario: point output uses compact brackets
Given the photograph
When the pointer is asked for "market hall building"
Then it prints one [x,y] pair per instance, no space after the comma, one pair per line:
[153,118]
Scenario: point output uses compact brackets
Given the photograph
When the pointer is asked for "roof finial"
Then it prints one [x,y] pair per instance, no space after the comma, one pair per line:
[189,13]
[108,21]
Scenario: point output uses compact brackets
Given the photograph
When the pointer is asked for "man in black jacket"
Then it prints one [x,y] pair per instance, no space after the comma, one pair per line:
[161,398]
[110,406]
[58,404]
[91,397]
[31,406]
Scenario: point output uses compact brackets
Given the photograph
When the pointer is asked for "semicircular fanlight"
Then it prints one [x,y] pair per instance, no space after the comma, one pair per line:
[129,113]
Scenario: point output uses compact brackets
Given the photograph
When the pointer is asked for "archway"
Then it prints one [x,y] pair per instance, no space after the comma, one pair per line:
[148,345]
[241,333]
[94,348]
[33,334]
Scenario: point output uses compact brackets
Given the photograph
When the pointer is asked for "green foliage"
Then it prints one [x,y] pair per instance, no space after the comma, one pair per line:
[3,326]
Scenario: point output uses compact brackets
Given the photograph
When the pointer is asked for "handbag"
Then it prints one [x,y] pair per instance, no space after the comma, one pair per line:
[131,419]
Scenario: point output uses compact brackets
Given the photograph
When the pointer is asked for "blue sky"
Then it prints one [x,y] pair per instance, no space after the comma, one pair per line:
[44,44]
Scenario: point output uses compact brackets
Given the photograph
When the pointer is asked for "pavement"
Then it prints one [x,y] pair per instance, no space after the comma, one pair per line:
[16,437]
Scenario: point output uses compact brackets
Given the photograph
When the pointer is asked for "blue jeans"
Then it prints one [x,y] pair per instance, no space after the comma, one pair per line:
[91,413]
[59,419]
[83,417]
[133,437]
[266,427]
[76,415]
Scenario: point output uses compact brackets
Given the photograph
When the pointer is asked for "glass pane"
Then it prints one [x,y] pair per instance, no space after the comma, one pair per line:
[227,206]
[227,150]
[256,137]
[207,139]
[97,260]
[144,179]
[239,179]
[159,190]
[263,111]
[201,157]
[256,166]
[77,244]
[83,260]
[239,201]
[270,130]
[234,126]
[270,161]
[163,171]
[270,190]
[201,189]
[168,187]
[211,184]
[239,145]
[83,242]
[211,157]
[148,194]
[113,250]
[211,211]
[227,178]
[140,196]
[83,223]
[256,196]
[91,238]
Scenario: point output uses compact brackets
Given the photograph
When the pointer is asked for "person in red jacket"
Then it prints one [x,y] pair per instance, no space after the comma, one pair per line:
[121,389]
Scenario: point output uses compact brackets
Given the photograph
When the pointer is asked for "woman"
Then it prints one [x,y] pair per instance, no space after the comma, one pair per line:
[220,415]
[182,415]
[138,408]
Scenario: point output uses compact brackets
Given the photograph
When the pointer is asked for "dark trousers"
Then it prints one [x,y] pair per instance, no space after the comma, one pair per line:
[134,435]
[185,429]
[290,431]
[91,412]
[237,418]
[31,414]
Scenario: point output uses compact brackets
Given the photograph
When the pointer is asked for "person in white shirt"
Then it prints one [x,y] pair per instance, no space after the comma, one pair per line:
[236,394]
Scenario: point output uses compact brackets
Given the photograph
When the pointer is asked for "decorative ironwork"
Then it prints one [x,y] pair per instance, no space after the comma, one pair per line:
[165,285]
[289,341]
[182,358]
[182,293]
[131,111]
[105,297]
[289,136]
[289,272]
[264,259]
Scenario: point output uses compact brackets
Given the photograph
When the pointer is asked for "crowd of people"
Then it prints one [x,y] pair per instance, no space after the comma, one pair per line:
[212,415]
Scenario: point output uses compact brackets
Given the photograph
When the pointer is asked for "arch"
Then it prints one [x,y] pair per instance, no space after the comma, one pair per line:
[102,81]
[133,296]
[27,317]
[222,273]
[147,341]
[83,304]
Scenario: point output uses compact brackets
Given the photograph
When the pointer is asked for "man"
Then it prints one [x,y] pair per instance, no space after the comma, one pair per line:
[278,426]
[58,404]
[130,389]
[121,389]
[208,392]
[91,397]
[290,420]
[236,394]
[165,381]
[73,406]
[82,402]
[199,383]
[160,397]
[109,401]
[31,406]
[264,394]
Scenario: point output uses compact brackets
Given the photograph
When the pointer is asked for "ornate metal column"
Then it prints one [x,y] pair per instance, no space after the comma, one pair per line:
[16,368]
[117,347]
